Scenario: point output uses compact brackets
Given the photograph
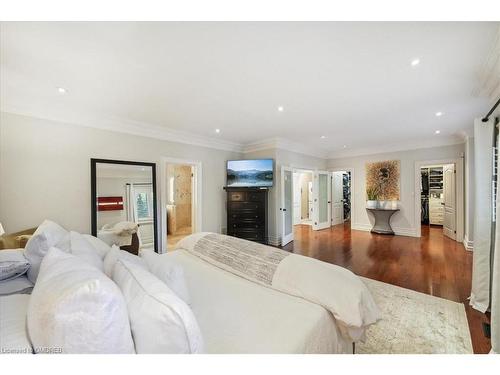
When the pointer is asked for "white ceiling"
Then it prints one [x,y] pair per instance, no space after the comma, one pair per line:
[350,81]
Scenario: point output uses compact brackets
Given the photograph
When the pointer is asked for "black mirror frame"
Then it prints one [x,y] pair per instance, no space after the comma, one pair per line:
[93,193]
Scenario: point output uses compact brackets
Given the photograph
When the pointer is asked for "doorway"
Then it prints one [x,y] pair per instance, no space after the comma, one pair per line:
[181,210]
[302,197]
[438,198]
[341,197]
[452,198]
[319,211]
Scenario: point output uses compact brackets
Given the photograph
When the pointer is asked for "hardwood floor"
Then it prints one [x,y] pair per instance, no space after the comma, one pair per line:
[432,264]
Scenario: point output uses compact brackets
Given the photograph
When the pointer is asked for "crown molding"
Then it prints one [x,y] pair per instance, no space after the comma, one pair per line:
[136,128]
[285,144]
[401,146]
[167,134]
[489,75]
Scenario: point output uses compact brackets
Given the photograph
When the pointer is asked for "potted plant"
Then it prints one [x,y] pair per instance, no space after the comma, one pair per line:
[372,195]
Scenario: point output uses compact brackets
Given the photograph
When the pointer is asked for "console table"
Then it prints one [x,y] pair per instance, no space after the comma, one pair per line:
[382,220]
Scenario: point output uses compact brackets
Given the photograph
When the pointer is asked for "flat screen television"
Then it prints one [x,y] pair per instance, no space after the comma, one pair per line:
[250,173]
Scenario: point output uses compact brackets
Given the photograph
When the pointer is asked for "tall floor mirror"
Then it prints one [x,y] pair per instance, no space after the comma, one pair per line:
[124,204]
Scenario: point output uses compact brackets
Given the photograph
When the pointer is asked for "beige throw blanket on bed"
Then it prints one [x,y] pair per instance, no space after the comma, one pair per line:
[335,288]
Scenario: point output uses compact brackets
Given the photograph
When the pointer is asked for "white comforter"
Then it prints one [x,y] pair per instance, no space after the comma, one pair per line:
[335,288]
[238,316]
[13,332]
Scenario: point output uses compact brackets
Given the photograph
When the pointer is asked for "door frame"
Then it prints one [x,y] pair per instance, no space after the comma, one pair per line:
[279,218]
[347,169]
[459,186]
[446,231]
[285,240]
[196,196]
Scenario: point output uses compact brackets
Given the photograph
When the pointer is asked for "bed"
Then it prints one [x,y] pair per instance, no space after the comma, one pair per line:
[239,316]
[251,298]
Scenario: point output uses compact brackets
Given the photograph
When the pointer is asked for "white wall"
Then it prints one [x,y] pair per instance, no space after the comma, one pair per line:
[45,171]
[403,222]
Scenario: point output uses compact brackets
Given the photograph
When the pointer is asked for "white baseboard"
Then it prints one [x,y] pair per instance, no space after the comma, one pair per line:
[398,231]
[469,245]
[274,240]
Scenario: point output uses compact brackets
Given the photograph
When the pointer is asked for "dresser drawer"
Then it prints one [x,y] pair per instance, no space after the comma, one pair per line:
[246,206]
[249,235]
[255,197]
[245,225]
[248,216]
[237,196]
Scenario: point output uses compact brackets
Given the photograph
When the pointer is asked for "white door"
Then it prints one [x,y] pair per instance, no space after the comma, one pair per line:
[449,201]
[310,205]
[337,198]
[286,205]
[322,191]
[296,199]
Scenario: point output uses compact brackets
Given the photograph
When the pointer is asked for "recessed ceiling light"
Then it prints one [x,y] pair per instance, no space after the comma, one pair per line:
[61,90]
[437,132]
[217,131]
[415,62]
[323,137]
[281,109]
[439,114]
[345,146]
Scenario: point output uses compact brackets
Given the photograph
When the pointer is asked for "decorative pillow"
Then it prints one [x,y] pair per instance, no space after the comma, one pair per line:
[169,271]
[101,247]
[75,308]
[13,264]
[160,321]
[114,254]
[48,234]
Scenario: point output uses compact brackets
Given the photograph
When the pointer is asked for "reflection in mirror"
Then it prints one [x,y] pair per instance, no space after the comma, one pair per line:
[124,204]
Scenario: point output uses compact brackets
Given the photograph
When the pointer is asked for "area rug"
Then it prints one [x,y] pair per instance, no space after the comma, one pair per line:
[415,323]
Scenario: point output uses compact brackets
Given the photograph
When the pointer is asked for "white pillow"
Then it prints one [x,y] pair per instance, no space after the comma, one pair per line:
[169,271]
[13,264]
[75,308]
[48,234]
[84,250]
[114,254]
[160,321]
[101,247]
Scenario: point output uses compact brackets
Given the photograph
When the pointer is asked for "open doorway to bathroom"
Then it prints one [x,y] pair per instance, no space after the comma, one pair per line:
[180,202]
[181,209]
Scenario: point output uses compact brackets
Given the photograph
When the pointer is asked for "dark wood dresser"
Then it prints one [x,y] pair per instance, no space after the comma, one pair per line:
[247,213]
